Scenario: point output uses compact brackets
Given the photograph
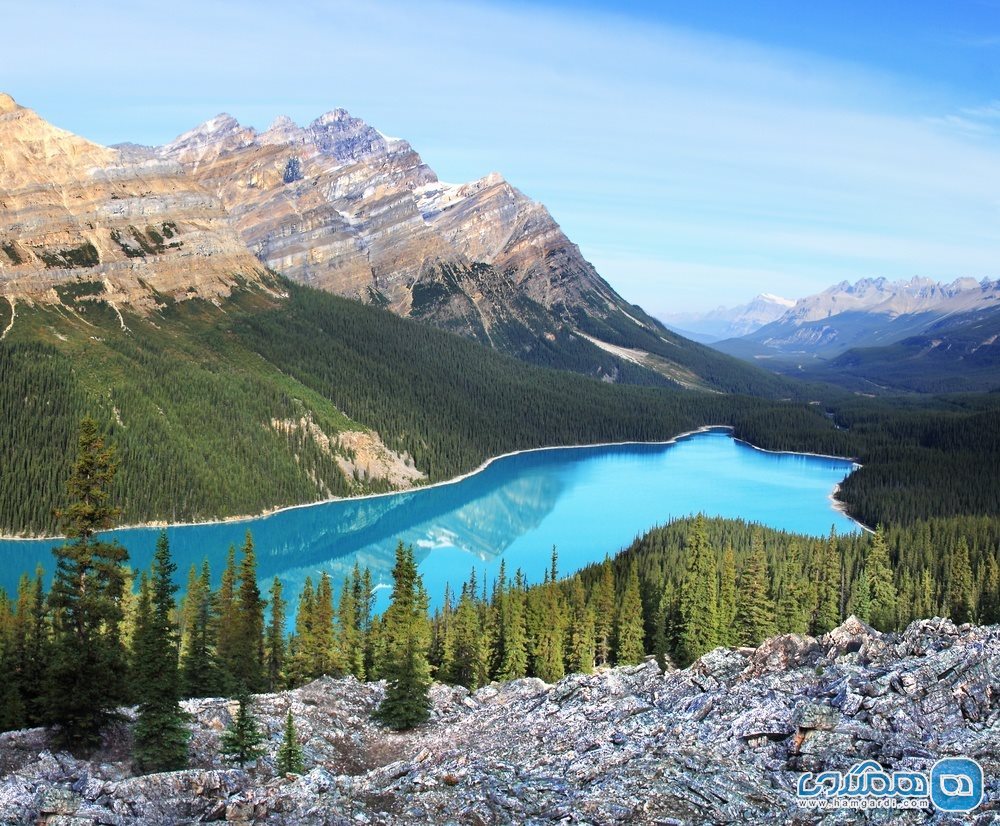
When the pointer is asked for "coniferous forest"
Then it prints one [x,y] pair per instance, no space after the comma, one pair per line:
[198,401]
[103,637]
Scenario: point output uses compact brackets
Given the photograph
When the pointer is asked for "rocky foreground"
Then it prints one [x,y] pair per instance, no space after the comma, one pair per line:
[719,742]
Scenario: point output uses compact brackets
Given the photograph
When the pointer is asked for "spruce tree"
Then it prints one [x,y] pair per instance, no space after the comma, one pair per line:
[442,653]
[226,622]
[200,673]
[699,596]
[629,647]
[880,580]
[860,603]
[727,598]
[300,653]
[791,611]
[754,608]
[350,637]
[580,645]
[12,707]
[604,613]
[827,579]
[405,642]
[514,664]
[161,733]
[247,665]
[548,660]
[326,657]
[87,669]
[30,653]
[242,741]
[289,758]
[989,597]
[469,663]
[961,596]
[274,652]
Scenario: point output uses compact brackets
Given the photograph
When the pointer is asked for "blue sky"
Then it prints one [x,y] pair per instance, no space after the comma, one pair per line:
[699,152]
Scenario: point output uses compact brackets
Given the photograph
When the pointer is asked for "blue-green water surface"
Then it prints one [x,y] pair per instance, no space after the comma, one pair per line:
[588,502]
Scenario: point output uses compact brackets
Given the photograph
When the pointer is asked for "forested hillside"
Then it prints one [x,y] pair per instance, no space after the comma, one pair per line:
[236,408]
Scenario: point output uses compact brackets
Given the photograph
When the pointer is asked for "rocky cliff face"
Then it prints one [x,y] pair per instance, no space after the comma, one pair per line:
[722,741]
[131,227]
[338,205]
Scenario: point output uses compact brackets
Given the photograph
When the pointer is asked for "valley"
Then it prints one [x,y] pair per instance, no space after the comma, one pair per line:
[341,445]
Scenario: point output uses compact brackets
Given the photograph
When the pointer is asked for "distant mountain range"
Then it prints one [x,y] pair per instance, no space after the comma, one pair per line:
[729,322]
[878,334]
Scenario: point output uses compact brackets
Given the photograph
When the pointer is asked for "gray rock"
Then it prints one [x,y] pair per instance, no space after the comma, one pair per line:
[721,741]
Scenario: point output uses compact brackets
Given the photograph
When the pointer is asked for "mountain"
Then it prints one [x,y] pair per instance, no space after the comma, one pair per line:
[724,740]
[340,206]
[868,313]
[128,293]
[729,322]
[959,353]
[137,231]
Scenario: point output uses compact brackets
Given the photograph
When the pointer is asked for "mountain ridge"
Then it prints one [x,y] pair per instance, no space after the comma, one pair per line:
[132,228]
[867,313]
[727,322]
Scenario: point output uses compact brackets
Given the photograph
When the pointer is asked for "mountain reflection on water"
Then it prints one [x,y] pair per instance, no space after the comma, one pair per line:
[587,501]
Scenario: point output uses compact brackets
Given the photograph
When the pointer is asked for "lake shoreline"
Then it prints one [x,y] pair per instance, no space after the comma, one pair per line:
[837,505]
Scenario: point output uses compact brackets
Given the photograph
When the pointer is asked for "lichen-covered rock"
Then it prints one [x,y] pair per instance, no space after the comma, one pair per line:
[720,742]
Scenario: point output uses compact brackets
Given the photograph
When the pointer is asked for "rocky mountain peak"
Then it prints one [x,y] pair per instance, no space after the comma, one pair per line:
[7,104]
[74,210]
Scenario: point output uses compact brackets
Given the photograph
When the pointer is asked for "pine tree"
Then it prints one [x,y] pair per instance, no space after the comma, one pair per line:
[989,597]
[300,650]
[699,597]
[406,640]
[87,670]
[515,643]
[880,579]
[326,657]
[289,757]
[30,652]
[350,639]
[200,675]
[790,611]
[469,664]
[827,579]
[860,603]
[242,742]
[548,623]
[754,608]
[727,598]
[161,733]
[961,597]
[604,612]
[629,648]
[227,624]
[580,645]
[274,649]
[247,665]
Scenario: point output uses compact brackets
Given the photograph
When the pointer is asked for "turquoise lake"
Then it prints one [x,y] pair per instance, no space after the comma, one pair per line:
[588,502]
